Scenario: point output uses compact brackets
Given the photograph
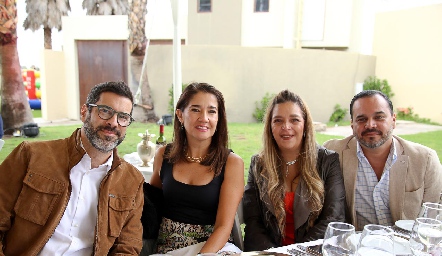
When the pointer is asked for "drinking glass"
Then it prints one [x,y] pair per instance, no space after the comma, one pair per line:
[425,236]
[431,210]
[376,240]
[337,239]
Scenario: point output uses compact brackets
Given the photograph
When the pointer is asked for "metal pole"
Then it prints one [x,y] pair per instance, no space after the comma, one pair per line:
[177,76]
[299,24]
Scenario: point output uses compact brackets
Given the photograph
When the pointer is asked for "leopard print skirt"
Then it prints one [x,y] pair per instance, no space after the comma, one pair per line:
[175,235]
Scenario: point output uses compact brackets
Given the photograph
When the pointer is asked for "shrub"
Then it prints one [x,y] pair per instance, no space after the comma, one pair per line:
[408,114]
[338,114]
[374,83]
[171,107]
[261,107]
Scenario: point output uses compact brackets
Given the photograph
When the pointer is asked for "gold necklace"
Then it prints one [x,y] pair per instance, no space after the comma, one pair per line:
[287,166]
[195,159]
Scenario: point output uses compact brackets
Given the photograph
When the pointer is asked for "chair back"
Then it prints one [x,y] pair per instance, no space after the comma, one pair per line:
[236,231]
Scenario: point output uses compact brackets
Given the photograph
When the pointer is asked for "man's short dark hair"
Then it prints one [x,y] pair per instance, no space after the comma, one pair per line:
[119,88]
[370,93]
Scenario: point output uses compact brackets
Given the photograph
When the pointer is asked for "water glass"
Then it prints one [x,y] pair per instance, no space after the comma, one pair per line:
[425,236]
[376,240]
[431,210]
[337,239]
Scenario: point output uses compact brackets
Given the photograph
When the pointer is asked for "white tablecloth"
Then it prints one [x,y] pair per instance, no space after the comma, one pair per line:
[135,160]
[402,246]
[283,249]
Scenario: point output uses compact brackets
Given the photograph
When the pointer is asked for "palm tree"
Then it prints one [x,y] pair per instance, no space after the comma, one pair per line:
[137,47]
[15,108]
[46,13]
[106,7]
[137,11]
[137,22]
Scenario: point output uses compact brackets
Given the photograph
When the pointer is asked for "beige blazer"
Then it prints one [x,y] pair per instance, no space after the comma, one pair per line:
[415,177]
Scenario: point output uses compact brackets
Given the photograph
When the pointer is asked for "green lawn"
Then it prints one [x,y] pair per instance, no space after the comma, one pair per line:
[36,113]
[245,139]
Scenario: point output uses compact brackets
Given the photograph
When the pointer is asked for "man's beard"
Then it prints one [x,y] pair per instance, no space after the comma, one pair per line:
[372,143]
[103,145]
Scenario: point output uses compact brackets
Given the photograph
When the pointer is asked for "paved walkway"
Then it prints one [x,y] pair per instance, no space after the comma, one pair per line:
[42,122]
[402,128]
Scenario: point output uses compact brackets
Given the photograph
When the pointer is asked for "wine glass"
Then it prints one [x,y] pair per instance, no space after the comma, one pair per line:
[431,210]
[337,239]
[426,234]
[376,240]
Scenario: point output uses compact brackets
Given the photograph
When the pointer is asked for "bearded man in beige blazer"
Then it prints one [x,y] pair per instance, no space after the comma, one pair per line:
[386,178]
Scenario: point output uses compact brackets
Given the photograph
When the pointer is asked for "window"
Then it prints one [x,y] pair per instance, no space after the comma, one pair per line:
[261,5]
[204,5]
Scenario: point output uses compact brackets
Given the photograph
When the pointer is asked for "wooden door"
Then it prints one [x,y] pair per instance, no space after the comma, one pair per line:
[100,61]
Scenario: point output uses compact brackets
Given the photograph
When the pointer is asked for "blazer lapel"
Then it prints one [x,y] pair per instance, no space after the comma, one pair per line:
[398,177]
[350,170]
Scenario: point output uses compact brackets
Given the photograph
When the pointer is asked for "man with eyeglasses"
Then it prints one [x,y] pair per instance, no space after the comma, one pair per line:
[75,196]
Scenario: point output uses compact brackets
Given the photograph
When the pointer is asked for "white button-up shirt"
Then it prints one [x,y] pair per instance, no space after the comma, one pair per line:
[74,234]
[372,202]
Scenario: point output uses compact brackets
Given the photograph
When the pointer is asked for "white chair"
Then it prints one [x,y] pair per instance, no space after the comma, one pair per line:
[236,231]
[1,143]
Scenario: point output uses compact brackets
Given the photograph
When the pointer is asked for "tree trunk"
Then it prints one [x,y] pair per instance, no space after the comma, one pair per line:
[15,106]
[137,24]
[144,109]
[48,38]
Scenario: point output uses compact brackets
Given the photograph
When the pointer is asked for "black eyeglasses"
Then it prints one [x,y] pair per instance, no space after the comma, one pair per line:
[106,113]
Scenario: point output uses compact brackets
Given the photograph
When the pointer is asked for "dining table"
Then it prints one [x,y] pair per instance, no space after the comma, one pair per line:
[136,161]
[295,248]
[402,246]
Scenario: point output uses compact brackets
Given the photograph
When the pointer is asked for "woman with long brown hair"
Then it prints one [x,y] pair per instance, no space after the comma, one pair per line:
[295,187]
[201,179]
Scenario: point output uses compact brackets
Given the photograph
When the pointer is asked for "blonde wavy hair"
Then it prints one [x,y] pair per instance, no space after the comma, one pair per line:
[271,161]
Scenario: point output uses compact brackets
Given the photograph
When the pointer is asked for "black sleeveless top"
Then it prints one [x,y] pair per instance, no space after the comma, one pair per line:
[190,204]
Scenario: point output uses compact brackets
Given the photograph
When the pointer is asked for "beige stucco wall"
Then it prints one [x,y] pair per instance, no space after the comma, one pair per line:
[234,22]
[222,26]
[407,45]
[244,75]
[108,27]
[53,90]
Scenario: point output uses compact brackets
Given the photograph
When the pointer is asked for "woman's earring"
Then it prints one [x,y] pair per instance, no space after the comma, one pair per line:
[303,135]
[182,126]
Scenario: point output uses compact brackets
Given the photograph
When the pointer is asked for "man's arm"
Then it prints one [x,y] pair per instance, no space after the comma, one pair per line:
[433,179]
[12,172]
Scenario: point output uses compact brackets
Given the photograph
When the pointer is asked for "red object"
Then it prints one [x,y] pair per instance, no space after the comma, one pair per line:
[161,128]
[289,236]
[30,85]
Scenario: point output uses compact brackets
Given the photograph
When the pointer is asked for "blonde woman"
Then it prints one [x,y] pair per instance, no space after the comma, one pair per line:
[295,187]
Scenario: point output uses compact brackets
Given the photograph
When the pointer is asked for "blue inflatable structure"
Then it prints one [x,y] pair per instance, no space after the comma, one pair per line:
[35,104]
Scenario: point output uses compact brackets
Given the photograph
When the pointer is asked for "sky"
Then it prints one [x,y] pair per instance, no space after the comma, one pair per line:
[31,44]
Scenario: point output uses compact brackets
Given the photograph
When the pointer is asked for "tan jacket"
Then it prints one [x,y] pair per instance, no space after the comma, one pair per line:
[415,177]
[35,189]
